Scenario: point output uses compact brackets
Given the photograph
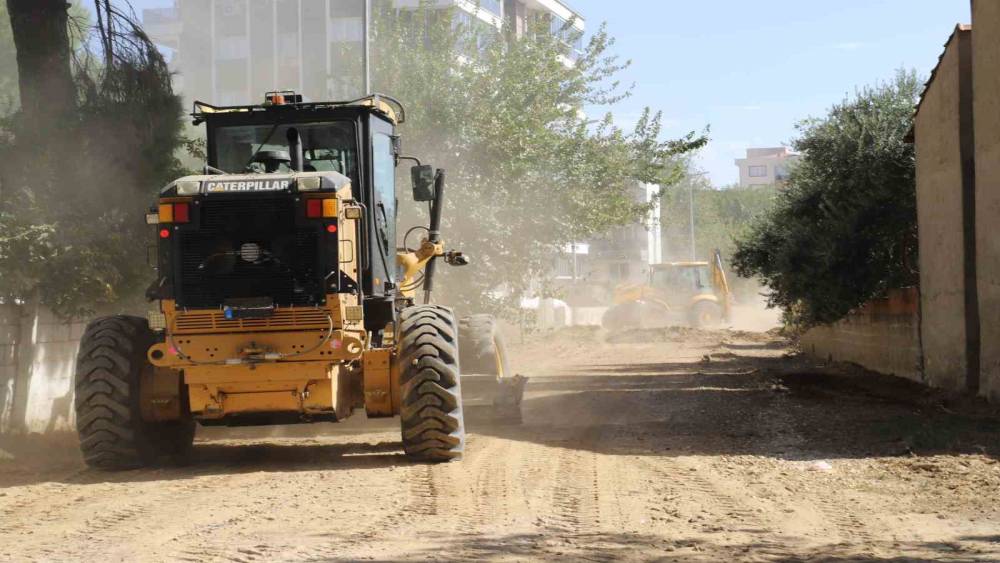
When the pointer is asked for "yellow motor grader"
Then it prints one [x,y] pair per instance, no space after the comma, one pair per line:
[695,294]
[280,296]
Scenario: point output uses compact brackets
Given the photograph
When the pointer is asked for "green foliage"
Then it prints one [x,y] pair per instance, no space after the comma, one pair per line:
[844,230]
[527,171]
[72,199]
[722,216]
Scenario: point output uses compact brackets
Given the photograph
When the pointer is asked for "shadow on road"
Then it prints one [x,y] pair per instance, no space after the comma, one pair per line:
[599,546]
[780,407]
[61,463]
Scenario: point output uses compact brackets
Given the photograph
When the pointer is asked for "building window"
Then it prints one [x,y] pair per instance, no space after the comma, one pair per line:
[757,171]
[232,48]
[492,6]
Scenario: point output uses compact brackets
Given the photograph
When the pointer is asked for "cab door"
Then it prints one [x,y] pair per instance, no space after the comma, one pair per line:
[383,208]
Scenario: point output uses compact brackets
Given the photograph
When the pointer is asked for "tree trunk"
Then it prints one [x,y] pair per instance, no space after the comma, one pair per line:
[45,80]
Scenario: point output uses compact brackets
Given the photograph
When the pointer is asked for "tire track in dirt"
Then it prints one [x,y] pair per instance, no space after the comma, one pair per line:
[707,508]
[421,503]
[838,520]
[487,472]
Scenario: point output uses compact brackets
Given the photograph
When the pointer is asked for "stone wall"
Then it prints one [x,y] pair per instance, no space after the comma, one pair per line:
[883,336]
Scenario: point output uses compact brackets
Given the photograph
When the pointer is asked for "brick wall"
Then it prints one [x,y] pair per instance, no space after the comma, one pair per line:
[882,336]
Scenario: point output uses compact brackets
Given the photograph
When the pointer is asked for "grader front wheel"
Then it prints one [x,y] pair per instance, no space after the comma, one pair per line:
[431,415]
[109,370]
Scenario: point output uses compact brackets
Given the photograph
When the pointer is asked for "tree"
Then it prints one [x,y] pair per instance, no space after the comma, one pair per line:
[74,181]
[844,230]
[41,38]
[8,64]
[528,172]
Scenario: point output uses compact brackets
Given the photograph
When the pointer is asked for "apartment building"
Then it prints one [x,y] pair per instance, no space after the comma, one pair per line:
[765,166]
[232,51]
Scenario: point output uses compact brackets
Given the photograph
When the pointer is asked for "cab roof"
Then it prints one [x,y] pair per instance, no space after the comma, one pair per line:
[381,104]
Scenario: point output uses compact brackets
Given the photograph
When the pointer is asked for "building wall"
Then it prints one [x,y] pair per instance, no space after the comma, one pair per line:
[986,94]
[231,52]
[943,169]
[883,336]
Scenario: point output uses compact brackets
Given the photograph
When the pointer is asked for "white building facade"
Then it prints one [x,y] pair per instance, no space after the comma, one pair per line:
[230,52]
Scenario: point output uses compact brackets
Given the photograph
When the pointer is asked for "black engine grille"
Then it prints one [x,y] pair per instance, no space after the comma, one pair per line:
[211,269]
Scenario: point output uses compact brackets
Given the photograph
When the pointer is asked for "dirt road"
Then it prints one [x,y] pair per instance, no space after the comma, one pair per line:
[666,445]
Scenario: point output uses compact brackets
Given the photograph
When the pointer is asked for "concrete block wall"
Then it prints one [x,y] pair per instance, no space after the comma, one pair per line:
[883,336]
[10,333]
[36,383]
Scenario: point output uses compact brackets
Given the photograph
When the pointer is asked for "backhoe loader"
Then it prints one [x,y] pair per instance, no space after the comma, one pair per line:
[694,294]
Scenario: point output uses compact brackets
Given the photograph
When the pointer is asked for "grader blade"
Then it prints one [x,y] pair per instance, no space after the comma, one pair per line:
[488,397]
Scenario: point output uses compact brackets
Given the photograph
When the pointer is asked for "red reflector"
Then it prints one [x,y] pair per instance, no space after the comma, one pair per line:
[331,229]
[182,213]
[314,208]
[164,233]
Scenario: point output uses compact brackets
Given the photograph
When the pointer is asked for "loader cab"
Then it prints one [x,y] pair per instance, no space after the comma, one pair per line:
[685,277]
[355,139]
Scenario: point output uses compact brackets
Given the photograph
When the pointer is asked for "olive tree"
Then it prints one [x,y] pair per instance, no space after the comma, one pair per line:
[844,230]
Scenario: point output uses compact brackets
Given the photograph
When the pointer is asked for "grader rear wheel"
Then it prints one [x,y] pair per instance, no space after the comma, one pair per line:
[484,362]
[109,369]
[431,414]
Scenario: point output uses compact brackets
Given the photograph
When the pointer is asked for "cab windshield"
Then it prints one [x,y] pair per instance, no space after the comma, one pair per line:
[329,146]
[682,277]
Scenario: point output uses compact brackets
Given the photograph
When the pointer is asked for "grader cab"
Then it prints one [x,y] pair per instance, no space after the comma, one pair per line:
[280,296]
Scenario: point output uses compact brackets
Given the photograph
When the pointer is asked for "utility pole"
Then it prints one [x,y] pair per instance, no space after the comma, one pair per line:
[366,49]
[694,249]
[691,177]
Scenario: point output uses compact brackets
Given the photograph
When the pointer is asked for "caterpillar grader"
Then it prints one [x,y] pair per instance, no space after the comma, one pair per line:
[280,296]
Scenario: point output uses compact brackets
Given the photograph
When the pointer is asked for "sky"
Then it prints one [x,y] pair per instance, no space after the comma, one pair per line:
[749,69]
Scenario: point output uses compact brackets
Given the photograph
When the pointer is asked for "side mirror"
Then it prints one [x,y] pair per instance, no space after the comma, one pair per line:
[423,182]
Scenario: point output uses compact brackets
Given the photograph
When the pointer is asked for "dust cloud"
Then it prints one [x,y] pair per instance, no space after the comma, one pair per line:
[752,314]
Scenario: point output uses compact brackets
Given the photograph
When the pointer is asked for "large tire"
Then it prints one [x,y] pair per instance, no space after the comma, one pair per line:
[433,425]
[482,349]
[706,314]
[483,352]
[109,369]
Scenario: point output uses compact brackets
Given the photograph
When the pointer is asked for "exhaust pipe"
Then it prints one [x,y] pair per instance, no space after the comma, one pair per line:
[295,149]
